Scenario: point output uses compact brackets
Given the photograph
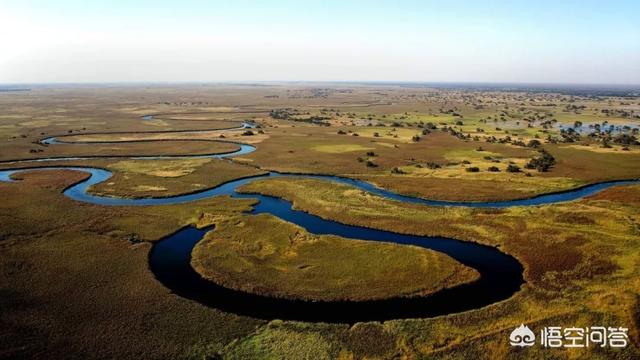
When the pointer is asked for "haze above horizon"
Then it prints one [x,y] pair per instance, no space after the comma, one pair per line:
[572,42]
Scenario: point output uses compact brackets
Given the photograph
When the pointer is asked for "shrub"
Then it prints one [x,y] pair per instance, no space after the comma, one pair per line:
[625,139]
[534,143]
[473,169]
[248,133]
[493,169]
[280,114]
[371,164]
[397,170]
[513,168]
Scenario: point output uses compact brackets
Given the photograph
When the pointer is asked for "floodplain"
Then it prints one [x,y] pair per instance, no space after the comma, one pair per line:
[76,277]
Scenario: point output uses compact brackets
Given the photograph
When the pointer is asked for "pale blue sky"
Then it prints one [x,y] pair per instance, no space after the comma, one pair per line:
[470,41]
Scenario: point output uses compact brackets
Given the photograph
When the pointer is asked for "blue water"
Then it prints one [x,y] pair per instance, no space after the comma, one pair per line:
[80,192]
[169,259]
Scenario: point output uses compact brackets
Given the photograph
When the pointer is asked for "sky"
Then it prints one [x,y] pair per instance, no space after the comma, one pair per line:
[537,41]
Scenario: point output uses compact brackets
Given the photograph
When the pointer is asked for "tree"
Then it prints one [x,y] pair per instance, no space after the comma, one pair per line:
[542,162]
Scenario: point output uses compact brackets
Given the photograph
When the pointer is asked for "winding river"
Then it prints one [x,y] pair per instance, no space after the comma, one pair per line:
[501,275]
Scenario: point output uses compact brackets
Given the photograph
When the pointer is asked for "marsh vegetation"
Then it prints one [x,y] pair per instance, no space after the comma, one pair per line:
[76,279]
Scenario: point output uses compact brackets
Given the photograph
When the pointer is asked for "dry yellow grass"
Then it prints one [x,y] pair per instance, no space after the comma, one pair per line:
[160,168]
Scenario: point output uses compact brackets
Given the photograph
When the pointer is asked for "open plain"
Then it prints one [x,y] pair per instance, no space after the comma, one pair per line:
[76,280]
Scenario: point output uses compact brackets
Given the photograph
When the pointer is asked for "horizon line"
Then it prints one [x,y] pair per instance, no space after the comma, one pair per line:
[374,82]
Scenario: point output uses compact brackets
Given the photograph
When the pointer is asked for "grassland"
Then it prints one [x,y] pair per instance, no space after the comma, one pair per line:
[135,178]
[161,178]
[75,282]
[32,151]
[587,249]
[74,278]
[309,149]
[235,135]
[286,261]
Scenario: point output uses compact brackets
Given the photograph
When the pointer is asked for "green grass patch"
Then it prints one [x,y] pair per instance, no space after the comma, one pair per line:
[265,255]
